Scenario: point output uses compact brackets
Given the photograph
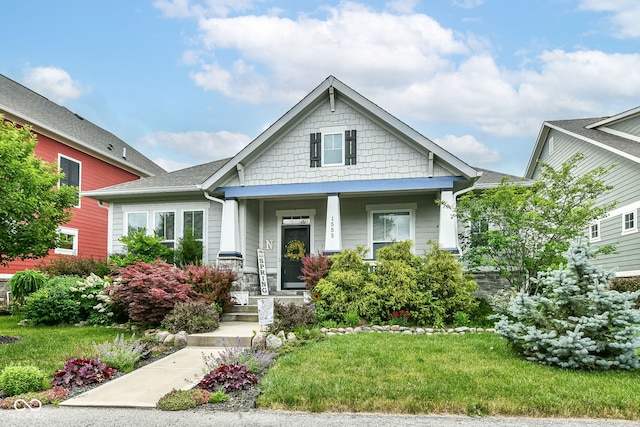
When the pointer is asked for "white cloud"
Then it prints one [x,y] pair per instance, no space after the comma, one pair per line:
[415,68]
[469,149]
[54,83]
[402,6]
[624,15]
[192,148]
[467,4]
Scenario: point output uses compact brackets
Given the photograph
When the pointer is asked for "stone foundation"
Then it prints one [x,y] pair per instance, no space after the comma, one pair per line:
[4,288]
[489,283]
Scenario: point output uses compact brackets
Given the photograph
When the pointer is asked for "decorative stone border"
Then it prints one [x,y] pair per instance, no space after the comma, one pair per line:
[396,329]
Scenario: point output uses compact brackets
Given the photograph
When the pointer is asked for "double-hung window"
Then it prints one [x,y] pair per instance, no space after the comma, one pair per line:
[332,149]
[594,232]
[629,222]
[72,173]
[136,222]
[67,241]
[388,226]
[165,225]
[193,220]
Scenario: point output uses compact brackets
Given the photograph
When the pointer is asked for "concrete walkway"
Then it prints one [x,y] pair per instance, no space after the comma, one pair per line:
[183,369]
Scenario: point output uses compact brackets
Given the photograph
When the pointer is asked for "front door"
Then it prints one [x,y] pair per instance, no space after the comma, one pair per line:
[295,245]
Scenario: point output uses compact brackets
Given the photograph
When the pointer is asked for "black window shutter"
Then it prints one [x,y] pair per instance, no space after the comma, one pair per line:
[315,150]
[350,145]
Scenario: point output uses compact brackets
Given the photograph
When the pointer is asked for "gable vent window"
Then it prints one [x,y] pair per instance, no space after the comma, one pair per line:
[332,149]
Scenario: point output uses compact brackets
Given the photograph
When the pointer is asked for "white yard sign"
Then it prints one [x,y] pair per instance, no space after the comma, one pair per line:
[262,272]
[265,311]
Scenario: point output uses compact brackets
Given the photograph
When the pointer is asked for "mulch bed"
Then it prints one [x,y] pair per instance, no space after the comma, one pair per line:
[8,340]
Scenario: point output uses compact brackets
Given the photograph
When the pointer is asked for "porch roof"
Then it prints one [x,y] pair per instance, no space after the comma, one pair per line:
[343,187]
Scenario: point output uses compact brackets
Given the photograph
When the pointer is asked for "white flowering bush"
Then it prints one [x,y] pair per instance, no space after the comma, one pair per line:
[576,321]
[91,295]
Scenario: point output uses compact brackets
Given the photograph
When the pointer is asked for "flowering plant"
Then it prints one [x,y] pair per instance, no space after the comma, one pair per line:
[400,317]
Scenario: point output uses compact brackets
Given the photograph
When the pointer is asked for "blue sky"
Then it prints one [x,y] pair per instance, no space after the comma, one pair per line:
[190,81]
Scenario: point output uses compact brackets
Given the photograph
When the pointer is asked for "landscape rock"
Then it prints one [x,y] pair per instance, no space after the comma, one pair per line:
[259,341]
[291,336]
[273,342]
[168,339]
[161,336]
[180,339]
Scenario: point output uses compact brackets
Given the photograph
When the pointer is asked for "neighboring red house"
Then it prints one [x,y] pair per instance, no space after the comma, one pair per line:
[91,158]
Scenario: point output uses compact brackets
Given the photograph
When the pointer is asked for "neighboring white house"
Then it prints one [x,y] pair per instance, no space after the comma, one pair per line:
[336,171]
[604,141]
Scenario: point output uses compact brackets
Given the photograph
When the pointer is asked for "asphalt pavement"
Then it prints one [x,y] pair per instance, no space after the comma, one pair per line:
[51,416]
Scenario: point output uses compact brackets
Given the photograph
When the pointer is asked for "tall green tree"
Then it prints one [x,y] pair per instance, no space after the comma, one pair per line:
[31,204]
[520,228]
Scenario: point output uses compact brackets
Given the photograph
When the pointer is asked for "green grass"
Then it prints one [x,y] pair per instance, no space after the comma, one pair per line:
[48,347]
[470,374]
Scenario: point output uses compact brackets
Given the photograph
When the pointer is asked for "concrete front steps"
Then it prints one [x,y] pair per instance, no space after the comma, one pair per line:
[238,327]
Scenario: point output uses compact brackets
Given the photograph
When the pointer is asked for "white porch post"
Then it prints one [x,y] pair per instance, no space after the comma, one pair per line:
[230,231]
[333,228]
[448,230]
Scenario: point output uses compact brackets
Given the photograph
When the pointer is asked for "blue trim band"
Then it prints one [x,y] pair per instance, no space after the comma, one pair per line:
[362,186]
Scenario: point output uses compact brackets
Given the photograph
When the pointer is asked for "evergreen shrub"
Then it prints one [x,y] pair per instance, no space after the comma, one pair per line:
[576,321]
[193,317]
[24,283]
[189,250]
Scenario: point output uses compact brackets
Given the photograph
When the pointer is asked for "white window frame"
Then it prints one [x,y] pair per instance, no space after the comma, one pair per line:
[174,241]
[184,227]
[634,228]
[60,155]
[391,208]
[74,247]
[126,225]
[597,236]
[331,131]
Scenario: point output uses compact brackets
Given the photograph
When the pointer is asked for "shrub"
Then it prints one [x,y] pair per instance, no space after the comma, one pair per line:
[189,250]
[287,317]
[179,400]
[74,266]
[192,317]
[54,303]
[81,371]
[576,321]
[24,283]
[229,378]
[218,396]
[21,379]
[141,247]
[626,284]
[120,354]
[90,294]
[314,269]
[257,361]
[352,318]
[53,395]
[212,284]
[147,292]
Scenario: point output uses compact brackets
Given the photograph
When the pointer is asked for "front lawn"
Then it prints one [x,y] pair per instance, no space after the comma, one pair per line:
[470,374]
[48,347]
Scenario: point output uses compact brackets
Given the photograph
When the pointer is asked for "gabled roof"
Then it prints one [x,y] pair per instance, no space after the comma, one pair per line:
[24,106]
[182,181]
[491,179]
[319,95]
[589,131]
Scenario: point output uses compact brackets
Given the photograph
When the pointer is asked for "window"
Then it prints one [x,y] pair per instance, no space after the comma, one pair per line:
[193,220]
[479,235]
[594,232]
[165,228]
[629,224]
[332,149]
[67,241]
[389,227]
[71,169]
[136,222]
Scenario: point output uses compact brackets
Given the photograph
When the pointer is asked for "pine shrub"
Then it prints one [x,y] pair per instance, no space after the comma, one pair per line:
[15,379]
[576,321]
[148,292]
[192,317]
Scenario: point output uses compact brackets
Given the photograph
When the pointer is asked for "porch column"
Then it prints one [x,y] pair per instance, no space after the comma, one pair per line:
[333,227]
[448,230]
[230,231]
